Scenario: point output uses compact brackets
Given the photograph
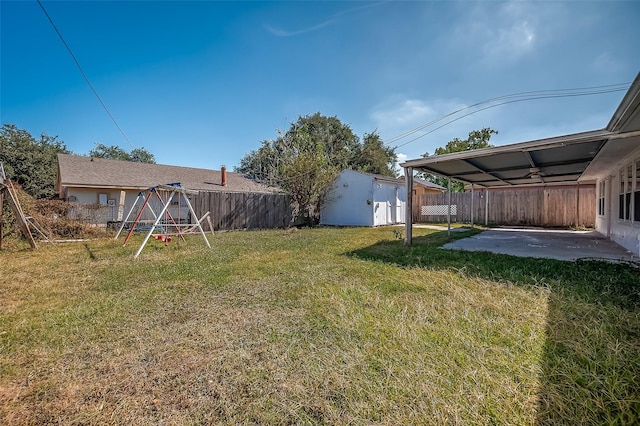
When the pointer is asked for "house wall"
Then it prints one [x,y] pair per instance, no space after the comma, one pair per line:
[619,217]
[421,190]
[94,208]
[349,202]
[103,205]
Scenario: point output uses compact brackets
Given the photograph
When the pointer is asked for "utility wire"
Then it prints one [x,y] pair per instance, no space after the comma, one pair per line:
[84,74]
[507,99]
[527,95]
[519,97]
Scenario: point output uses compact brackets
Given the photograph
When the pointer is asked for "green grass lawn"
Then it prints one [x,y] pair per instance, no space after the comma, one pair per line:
[314,326]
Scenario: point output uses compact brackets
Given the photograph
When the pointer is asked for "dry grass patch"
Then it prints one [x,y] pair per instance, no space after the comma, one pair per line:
[319,326]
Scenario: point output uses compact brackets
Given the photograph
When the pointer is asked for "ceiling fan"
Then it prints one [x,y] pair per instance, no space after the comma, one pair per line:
[535,173]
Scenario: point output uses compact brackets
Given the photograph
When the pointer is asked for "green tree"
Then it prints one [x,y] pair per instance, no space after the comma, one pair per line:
[372,156]
[477,139]
[336,139]
[261,164]
[306,172]
[31,163]
[306,158]
[113,152]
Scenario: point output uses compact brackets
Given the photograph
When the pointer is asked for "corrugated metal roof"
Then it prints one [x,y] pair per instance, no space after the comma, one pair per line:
[544,161]
[87,172]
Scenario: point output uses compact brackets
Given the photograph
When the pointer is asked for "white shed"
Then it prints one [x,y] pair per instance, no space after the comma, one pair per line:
[362,199]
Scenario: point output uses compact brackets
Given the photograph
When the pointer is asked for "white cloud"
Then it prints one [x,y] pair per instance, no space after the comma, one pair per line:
[516,32]
[502,32]
[606,63]
[279,32]
[513,40]
[419,126]
[400,158]
[412,117]
[401,114]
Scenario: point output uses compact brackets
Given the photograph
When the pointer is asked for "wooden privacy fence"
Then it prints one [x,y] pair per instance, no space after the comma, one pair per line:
[244,210]
[539,206]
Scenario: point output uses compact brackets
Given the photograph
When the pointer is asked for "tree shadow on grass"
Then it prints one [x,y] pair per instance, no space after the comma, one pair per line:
[591,357]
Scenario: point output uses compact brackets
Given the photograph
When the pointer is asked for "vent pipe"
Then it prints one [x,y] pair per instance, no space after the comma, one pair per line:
[223,175]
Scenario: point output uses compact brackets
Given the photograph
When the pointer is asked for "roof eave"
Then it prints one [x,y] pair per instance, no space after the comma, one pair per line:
[628,107]
[516,147]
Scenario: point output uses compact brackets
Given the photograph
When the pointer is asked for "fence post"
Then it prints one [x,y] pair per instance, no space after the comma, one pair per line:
[578,204]
[472,205]
[486,206]
[449,206]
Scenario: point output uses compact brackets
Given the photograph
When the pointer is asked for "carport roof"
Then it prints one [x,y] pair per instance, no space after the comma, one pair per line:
[579,157]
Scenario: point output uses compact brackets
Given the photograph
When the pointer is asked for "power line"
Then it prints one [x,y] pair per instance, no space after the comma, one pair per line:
[525,96]
[539,94]
[507,99]
[84,74]
[519,97]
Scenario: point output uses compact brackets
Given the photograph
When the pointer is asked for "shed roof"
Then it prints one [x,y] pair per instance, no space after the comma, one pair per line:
[578,157]
[376,177]
[89,172]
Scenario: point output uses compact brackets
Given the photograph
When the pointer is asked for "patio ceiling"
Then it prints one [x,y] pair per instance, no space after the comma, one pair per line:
[556,160]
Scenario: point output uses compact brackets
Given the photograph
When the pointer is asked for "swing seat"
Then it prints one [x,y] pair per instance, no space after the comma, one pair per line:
[164,238]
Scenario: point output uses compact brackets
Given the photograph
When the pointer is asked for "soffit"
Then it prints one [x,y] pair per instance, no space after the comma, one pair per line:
[556,160]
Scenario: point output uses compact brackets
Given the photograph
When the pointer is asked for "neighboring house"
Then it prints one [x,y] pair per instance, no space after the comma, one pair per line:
[115,184]
[608,158]
[421,186]
[362,199]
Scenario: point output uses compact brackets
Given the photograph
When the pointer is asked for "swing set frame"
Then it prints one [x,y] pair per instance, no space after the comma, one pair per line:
[170,190]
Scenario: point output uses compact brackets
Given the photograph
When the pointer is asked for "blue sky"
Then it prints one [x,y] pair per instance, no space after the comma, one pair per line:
[200,84]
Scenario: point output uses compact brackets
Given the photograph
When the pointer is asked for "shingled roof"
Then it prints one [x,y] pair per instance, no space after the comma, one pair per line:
[89,172]
[428,184]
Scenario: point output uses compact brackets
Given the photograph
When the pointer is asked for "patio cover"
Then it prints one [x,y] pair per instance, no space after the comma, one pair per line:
[569,159]
[562,159]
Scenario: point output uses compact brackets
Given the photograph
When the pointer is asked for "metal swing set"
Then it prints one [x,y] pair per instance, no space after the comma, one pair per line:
[164,221]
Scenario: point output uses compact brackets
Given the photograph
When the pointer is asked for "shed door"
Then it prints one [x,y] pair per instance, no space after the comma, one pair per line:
[381,208]
[394,207]
[380,213]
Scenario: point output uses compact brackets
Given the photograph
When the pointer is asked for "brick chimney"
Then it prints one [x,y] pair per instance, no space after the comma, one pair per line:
[223,175]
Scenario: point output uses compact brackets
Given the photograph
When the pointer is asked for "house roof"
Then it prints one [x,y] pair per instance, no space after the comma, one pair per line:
[578,157]
[427,184]
[88,172]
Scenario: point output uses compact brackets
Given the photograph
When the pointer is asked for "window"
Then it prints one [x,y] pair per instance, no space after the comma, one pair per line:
[626,183]
[627,193]
[636,195]
[601,197]
[621,196]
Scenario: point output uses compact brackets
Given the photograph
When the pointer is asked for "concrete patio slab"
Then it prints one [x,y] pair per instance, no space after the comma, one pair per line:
[439,227]
[553,244]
